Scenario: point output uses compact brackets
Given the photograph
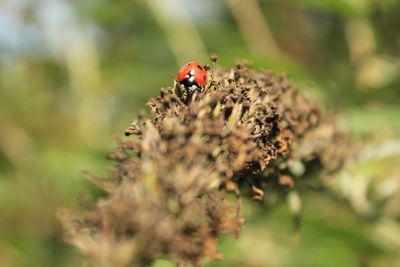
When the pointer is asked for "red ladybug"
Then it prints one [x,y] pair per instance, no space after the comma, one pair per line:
[192,76]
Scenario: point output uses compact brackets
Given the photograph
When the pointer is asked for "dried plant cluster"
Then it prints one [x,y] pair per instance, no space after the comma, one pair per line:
[166,191]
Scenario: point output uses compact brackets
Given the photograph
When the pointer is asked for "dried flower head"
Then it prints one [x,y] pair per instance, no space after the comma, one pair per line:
[166,190]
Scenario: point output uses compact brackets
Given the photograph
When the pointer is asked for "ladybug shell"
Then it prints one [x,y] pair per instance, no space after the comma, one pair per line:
[192,73]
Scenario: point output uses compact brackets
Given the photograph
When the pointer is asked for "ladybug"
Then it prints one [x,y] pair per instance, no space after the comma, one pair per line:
[192,76]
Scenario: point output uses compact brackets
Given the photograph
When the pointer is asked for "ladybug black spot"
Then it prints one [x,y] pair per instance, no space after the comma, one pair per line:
[199,67]
[204,77]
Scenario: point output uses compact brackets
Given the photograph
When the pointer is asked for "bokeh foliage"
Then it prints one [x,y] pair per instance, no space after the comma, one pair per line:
[73,74]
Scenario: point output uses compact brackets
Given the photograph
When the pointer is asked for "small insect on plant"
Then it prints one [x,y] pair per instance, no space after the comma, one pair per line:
[191,77]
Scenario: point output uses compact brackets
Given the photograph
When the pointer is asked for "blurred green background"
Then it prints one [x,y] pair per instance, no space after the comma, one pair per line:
[74,73]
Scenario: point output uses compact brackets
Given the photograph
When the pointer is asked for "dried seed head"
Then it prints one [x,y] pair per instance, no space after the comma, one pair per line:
[166,190]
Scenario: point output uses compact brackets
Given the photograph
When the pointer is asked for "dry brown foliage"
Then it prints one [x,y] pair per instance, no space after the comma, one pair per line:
[166,191]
